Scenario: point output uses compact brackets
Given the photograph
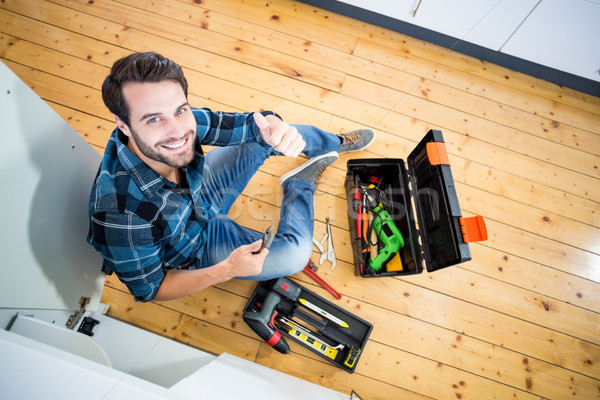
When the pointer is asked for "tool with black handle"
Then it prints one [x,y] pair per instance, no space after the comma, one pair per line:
[267,239]
[263,323]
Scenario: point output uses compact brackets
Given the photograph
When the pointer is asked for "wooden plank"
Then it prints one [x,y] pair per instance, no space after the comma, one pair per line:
[498,135]
[442,55]
[210,41]
[318,372]
[529,219]
[463,79]
[531,91]
[67,42]
[534,277]
[469,105]
[405,370]
[496,157]
[22,52]
[239,19]
[70,20]
[228,82]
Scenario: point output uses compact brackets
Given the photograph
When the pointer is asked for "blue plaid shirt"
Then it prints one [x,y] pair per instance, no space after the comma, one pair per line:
[143,224]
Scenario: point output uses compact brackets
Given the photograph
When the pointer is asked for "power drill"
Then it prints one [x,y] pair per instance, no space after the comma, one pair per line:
[387,232]
[263,323]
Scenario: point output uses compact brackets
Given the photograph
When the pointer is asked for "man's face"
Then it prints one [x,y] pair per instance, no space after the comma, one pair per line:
[162,128]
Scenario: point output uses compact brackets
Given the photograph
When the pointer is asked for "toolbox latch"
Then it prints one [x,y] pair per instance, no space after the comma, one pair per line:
[437,154]
[473,229]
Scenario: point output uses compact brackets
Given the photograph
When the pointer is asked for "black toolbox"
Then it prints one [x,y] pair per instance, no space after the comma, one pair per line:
[421,201]
[283,306]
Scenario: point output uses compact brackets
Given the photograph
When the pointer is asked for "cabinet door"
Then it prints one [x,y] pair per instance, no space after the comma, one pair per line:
[47,171]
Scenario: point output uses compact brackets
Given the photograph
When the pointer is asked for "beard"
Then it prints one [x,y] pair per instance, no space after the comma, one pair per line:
[172,159]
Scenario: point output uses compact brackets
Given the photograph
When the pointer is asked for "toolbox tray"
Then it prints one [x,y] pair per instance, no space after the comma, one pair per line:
[423,204]
[355,335]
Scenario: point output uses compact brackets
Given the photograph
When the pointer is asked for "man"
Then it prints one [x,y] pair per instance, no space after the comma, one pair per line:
[158,207]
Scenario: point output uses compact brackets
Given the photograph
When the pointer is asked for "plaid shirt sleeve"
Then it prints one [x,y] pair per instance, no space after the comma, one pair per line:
[130,247]
[227,129]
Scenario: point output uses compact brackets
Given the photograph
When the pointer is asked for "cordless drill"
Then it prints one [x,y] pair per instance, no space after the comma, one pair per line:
[386,230]
[263,323]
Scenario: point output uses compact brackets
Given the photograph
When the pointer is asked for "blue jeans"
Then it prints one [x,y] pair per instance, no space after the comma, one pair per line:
[227,171]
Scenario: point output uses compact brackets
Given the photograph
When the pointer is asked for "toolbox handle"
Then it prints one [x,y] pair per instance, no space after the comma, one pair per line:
[473,229]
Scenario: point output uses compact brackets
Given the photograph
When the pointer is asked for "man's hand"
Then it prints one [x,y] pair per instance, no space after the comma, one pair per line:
[241,262]
[283,137]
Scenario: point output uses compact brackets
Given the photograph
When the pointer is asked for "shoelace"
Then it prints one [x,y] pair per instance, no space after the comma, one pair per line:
[352,138]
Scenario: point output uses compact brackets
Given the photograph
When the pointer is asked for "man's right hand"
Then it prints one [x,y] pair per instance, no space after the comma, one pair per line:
[240,263]
[283,137]
[243,262]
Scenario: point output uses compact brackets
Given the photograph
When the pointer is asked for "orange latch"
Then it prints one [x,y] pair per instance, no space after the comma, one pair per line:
[473,229]
[437,154]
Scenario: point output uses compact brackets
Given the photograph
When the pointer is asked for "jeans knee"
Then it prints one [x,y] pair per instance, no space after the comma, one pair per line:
[292,257]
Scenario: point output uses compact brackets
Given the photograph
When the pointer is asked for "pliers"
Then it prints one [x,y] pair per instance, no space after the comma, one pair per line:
[328,254]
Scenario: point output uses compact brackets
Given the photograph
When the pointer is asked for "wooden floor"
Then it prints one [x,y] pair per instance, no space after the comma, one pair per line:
[519,321]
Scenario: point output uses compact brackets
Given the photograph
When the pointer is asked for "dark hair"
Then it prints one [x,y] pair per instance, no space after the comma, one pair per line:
[137,67]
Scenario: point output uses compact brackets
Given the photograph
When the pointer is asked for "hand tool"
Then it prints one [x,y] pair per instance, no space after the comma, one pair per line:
[263,323]
[372,240]
[330,253]
[267,239]
[311,270]
[365,227]
[303,335]
[323,313]
[357,207]
[320,244]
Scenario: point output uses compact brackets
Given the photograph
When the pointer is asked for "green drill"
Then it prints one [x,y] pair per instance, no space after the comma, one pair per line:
[390,236]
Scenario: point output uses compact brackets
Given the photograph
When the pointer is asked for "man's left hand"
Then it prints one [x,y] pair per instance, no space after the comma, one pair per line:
[283,137]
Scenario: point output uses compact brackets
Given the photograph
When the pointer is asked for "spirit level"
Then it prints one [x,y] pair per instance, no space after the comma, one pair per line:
[303,335]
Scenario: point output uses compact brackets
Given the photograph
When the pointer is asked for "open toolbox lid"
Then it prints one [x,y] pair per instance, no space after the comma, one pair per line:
[441,234]
[49,169]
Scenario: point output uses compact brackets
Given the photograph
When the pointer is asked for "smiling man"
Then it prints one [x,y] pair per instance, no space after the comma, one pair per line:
[158,207]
